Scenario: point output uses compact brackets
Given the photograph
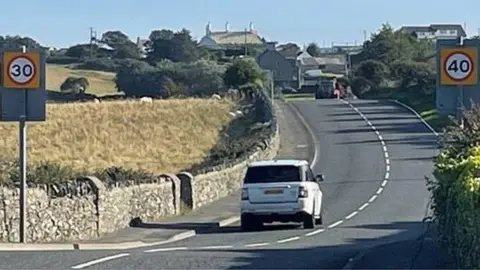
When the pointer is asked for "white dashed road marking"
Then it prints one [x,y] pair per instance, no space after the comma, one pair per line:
[315,232]
[215,247]
[373,198]
[288,239]
[101,260]
[335,224]
[165,249]
[354,213]
[363,206]
[258,245]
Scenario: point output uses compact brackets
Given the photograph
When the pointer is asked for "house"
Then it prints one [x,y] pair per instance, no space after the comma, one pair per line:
[294,68]
[284,70]
[227,39]
[435,31]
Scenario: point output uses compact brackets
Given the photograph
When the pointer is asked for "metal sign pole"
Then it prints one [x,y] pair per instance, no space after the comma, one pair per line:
[23,169]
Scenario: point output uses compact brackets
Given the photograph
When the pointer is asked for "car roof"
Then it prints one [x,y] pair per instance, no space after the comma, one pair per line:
[279,162]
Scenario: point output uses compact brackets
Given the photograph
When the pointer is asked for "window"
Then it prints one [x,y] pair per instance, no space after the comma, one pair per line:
[272,174]
[443,31]
[310,175]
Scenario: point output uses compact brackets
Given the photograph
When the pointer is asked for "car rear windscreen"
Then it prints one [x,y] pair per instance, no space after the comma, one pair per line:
[272,174]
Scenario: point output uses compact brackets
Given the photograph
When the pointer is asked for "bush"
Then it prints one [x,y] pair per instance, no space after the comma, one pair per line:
[38,174]
[62,60]
[243,71]
[360,86]
[374,71]
[456,191]
[101,64]
[75,85]
[168,79]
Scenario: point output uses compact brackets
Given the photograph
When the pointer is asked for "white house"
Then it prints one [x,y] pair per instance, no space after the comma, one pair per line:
[435,31]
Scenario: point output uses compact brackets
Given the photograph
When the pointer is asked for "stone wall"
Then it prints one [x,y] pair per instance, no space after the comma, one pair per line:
[90,209]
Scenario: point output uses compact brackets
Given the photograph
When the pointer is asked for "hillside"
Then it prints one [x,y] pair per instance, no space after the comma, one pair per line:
[101,82]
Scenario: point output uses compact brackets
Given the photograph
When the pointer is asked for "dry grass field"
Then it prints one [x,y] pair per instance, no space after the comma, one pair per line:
[101,82]
[163,136]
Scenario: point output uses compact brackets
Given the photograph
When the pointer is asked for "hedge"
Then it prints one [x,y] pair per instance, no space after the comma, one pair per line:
[456,205]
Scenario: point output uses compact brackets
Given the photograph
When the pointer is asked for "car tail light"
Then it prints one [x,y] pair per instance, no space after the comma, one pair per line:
[244,194]
[302,192]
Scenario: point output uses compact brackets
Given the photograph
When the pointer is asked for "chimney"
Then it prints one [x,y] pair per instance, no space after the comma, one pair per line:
[207,29]
[226,26]
[251,26]
[270,46]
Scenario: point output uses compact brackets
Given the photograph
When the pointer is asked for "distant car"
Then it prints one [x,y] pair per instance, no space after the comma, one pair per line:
[281,191]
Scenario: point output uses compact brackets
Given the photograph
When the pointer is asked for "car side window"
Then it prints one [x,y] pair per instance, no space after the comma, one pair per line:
[310,175]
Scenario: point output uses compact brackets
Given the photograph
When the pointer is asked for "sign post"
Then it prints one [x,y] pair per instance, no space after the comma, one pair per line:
[23,99]
[458,66]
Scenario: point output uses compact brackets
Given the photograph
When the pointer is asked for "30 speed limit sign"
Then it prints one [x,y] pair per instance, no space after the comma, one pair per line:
[458,66]
[20,70]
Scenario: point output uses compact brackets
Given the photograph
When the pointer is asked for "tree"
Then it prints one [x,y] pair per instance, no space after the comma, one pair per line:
[83,51]
[313,50]
[242,71]
[16,42]
[121,44]
[75,85]
[177,47]
[374,71]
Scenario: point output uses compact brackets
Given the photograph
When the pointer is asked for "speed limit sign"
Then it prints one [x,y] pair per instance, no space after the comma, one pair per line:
[458,66]
[20,70]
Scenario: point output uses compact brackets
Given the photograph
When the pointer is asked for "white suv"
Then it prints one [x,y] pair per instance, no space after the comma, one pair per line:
[283,191]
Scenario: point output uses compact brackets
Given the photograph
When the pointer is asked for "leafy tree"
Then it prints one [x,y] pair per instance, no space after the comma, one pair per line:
[177,47]
[75,85]
[313,50]
[16,42]
[242,71]
[121,44]
[374,71]
[83,51]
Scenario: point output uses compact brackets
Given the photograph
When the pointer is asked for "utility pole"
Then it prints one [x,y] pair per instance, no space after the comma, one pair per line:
[93,38]
[364,36]
[245,42]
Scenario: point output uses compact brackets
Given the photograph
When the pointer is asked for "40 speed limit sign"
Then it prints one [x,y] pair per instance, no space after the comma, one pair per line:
[458,66]
[21,70]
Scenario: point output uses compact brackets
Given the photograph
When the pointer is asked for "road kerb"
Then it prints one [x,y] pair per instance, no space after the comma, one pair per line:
[107,246]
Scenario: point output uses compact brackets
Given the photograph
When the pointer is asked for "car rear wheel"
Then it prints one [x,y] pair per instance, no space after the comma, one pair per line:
[308,221]
[249,223]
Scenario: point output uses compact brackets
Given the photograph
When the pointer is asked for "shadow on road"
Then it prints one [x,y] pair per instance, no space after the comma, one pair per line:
[406,247]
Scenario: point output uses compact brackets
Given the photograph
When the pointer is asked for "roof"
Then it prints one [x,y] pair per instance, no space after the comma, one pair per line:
[434,27]
[235,37]
[279,162]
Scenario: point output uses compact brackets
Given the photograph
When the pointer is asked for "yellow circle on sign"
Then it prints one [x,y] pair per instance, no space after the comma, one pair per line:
[21,70]
[458,66]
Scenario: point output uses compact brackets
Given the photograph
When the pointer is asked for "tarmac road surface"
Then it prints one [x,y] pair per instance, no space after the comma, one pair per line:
[374,156]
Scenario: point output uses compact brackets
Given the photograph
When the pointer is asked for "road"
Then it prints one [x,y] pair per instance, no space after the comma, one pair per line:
[374,156]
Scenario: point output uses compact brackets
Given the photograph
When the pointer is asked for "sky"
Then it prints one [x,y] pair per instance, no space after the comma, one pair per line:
[63,23]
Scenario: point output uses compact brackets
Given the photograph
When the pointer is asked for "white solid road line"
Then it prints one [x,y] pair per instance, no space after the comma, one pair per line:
[165,249]
[258,245]
[315,232]
[288,239]
[351,215]
[335,224]
[90,263]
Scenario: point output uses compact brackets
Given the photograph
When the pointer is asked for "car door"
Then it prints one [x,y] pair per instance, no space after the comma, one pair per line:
[317,191]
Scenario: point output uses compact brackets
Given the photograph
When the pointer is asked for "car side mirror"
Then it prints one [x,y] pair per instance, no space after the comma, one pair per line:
[319,178]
